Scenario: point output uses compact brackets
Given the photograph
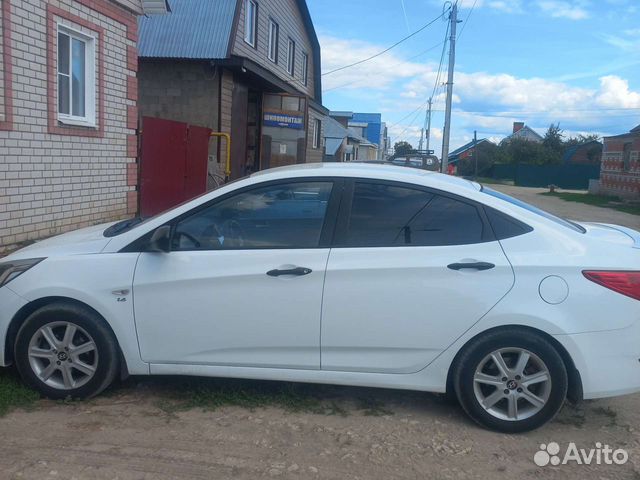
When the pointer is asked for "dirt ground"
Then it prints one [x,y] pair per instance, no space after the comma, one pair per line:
[141,430]
[571,210]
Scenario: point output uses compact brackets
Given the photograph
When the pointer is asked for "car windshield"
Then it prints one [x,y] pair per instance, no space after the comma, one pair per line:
[530,208]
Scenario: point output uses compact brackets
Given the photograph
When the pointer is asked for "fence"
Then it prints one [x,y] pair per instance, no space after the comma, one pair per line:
[564,176]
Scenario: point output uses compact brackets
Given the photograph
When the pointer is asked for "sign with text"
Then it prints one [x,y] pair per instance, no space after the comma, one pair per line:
[283,120]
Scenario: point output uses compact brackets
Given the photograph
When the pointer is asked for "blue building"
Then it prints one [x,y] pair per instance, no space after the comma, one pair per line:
[373,129]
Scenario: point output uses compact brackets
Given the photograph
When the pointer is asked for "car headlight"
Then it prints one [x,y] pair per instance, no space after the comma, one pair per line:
[12,269]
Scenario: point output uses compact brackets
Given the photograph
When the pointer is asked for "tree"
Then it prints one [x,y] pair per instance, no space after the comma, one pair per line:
[580,139]
[487,154]
[553,141]
[402,148]
[533,153]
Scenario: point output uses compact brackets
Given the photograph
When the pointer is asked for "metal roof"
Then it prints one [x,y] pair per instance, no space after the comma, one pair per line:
[467,146]
[333,129]
[195,29]
[332,145]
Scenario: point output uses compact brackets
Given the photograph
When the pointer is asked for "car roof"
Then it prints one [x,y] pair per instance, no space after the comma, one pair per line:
[369,170]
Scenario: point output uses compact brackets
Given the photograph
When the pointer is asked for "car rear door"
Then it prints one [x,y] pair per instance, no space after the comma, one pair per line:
[242,285]
[410,271]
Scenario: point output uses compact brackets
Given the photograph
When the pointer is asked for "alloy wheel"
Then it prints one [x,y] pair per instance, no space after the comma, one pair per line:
[512,384]
[63,355]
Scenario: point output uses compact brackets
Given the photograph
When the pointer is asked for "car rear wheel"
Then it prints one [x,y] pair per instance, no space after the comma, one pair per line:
[511,381]
[63,350]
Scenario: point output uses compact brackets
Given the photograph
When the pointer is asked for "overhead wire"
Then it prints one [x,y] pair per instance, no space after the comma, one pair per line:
[359,62]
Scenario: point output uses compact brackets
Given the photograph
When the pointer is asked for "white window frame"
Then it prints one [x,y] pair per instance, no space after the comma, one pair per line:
[89,118]
[305,68]
[274,40]
[291,56]
[251,20]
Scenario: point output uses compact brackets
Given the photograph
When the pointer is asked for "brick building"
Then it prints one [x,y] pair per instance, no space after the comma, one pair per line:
[68,114]
[247,68]
[620,169]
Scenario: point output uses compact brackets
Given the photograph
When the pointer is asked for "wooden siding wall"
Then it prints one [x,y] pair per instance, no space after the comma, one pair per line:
[286,14]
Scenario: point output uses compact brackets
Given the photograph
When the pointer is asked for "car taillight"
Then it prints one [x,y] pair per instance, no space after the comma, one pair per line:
[626,283]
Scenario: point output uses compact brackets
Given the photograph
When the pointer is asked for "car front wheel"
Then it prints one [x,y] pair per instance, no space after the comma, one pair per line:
[63,350]
[511,381]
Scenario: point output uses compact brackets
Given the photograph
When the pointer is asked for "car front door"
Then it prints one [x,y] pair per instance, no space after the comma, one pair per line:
[242,285]
[410,271]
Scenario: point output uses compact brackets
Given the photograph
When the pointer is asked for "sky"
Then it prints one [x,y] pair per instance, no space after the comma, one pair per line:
[572,62]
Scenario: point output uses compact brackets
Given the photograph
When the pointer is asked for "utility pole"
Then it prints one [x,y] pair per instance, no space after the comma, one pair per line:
[428,131]
[453,16]
[421,138]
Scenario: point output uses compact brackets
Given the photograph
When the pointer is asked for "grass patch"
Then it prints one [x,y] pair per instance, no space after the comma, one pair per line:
[596,200]
[211,394]
[13,394]
[372,407]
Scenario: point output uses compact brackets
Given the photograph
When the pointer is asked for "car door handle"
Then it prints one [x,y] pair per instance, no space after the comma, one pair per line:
[471,266]
[298,271]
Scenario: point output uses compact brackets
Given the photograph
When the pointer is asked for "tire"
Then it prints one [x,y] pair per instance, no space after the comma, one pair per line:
[525,400]
[83,369]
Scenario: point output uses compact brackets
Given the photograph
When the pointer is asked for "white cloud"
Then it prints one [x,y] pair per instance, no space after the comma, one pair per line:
[514,6]
[378,73]
[628,40]
[564,9]
[487,102]
[614,93]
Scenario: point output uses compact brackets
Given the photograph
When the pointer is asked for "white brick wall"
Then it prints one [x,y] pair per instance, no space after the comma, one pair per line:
[50,183]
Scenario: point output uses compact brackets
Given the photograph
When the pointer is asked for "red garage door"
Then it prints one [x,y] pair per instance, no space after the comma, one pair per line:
[173,164]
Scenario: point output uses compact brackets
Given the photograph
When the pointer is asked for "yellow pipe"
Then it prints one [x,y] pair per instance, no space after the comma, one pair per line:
[227,168]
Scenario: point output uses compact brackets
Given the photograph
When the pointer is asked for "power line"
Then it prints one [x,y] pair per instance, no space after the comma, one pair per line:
[435,86]
[444,49]
[466,20]
[386,49]
[388,67]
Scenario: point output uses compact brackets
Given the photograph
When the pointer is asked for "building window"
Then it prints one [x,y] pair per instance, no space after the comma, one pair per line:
[305,68]
[317,133]
[274,39]
[291,57]
[250,22]
[626,157]
[76,77]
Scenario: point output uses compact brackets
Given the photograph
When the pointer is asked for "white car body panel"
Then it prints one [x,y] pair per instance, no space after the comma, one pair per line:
[372,295]
[90,279]
[220,308]
[598,328]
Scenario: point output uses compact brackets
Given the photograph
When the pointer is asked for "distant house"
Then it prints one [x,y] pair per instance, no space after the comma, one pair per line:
[247,68]
[465,151]
[374,130]
[68,114]
[344,144]
[587,153]
[523,132]
[620,170]
[370,128]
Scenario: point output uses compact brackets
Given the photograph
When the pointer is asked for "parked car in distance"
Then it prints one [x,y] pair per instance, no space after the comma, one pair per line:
[347,274]
[424,162]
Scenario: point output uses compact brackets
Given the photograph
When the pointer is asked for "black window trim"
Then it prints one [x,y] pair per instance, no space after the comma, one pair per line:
[346,204]
[326,235]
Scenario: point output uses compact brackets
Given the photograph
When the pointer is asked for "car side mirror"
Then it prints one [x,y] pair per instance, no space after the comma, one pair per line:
[161,240]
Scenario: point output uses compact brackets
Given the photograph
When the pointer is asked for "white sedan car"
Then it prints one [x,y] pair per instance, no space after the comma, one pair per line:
[357,274]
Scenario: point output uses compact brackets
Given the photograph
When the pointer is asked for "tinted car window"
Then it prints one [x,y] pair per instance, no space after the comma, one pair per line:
[386,215]
[505,226]
[277,216]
